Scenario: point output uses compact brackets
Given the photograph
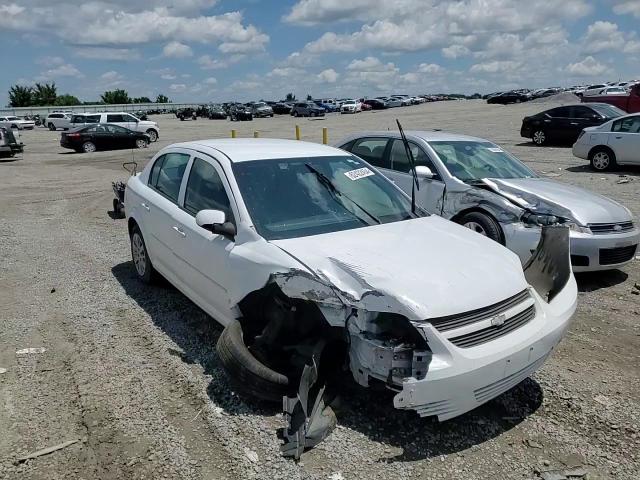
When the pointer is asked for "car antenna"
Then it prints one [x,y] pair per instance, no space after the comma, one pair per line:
[414,184]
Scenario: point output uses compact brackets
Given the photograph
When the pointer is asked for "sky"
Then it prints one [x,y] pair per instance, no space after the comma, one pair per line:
[222,50]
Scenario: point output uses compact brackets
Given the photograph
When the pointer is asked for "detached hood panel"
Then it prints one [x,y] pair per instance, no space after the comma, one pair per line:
[548,196]
[423,268]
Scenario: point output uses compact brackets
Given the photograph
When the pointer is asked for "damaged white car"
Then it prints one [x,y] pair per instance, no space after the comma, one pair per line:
[478,184]
[314,261]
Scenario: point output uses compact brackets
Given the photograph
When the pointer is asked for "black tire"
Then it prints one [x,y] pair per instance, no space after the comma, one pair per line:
[88,147]
[602,159]
[153,135]
[52,127]
[483,224]
[147,274]
[539,137]
[248,375]
[118,209]
[295,114]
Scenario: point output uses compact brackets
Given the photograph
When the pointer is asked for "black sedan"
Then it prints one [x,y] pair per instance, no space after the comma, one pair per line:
[102,136]
[509,97]
[564,124]
[216,112]
[376,104]
[282,108]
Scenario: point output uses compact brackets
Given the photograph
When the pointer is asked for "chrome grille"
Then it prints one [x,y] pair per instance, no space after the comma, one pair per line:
[491,333]
[604,228]
[443,324]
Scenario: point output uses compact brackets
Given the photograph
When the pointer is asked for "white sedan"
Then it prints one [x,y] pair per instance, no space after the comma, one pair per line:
[296,247]
[17,123]
[616,142]
[351,106]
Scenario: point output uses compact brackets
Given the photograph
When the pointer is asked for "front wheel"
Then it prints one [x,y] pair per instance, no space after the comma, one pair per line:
[602,159]
[153,135]
[483,224]
[144,268]
[52,127]
[141,143]
[539,137]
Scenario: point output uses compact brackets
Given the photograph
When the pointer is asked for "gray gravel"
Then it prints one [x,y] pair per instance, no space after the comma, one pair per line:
[132,372]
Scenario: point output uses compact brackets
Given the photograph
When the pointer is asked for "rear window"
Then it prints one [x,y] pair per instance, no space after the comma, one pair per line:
[608,111]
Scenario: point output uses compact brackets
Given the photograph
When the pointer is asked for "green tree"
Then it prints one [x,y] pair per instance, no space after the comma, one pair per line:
[162,99]
[45,94]
[20,96]
[67,100]
[290,97]
[142,100]
[115,96]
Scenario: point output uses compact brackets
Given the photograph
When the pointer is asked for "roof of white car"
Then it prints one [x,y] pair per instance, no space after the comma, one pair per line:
[426,135]
[246,149]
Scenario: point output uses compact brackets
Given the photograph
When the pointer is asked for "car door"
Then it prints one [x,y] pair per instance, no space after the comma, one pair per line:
[159,211]
[120,119]
[558,124]
[204,255]
[120,137]
[624,139]
[431,191]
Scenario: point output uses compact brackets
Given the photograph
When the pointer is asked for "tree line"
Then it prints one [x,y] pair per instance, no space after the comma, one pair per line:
[46,94]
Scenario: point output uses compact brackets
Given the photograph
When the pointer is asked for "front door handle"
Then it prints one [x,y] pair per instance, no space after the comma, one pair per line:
[180,231]
[574,123]
[145,206]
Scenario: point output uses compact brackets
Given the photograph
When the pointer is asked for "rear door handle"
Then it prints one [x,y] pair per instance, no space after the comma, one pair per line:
[574,123]
[180,231]
[619,137]
[145,206]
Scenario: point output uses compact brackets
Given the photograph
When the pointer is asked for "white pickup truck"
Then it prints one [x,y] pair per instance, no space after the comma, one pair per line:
[122,119]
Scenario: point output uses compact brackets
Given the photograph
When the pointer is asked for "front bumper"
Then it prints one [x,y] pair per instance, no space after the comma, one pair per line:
[459,380]
[525,131]
[589,252]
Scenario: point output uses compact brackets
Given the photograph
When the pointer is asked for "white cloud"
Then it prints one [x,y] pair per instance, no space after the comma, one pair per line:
[632,47]
[496,66]
[328,76]
[50,61]
[177,87]
[207,62]
[625,7]
[111,76]
[106,53]
[210,81]
[370,64]
[177,50]
[64,70]
[587,67]
[455,51]
[430,68]
[603,36]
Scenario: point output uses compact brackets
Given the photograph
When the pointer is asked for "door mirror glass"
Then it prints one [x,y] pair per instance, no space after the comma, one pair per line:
[424,172]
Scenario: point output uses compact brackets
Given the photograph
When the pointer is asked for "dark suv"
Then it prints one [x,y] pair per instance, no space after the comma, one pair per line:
[307,109]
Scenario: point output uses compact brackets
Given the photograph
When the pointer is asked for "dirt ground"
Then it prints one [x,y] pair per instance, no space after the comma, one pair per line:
[131,371]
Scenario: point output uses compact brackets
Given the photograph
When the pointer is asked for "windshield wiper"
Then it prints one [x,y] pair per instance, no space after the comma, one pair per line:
[329,185]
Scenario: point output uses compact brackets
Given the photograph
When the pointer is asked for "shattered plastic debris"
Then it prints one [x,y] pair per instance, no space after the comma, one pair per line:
[251,455]
[28,351]
[3,370]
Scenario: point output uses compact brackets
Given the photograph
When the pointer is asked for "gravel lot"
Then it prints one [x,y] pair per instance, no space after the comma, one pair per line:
[131,371]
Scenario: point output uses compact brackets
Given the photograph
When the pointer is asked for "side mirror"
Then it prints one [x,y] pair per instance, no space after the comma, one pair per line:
[424,172]
[215,222]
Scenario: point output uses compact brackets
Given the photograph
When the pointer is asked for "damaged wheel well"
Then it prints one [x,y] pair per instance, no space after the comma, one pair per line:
[458,217]
[131,225]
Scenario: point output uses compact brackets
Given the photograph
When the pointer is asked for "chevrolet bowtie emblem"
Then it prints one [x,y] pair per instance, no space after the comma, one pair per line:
[498,320]
[617,228]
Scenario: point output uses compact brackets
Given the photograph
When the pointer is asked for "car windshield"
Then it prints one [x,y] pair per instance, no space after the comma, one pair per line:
[609,111]
[471,161]
[297,197]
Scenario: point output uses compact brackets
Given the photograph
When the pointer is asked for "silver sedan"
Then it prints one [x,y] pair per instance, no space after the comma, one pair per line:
[478,184]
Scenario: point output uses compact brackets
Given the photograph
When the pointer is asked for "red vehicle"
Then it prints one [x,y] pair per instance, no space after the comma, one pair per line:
[629,103]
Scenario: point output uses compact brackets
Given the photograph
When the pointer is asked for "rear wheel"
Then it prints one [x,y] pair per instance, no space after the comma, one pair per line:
[141,143]
[483,224]
[602,159]
[144,269]
[539,137]
[88,147]
[51,126]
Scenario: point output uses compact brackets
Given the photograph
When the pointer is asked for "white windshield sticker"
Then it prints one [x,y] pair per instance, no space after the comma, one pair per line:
[359,173]
[495,149]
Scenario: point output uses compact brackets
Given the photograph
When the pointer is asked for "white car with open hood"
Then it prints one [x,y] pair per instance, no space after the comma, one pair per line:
[297,248]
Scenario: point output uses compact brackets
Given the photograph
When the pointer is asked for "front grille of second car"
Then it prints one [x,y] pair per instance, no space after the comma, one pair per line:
[612,256]
[442,324]
[490,333]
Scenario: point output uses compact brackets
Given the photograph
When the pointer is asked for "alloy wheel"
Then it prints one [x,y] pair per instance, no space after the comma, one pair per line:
[601,161]
[139,254]
[476,227]
[539,137]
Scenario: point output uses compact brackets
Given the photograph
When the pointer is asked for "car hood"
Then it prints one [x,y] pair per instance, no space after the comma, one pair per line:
[422,268]
[542,195]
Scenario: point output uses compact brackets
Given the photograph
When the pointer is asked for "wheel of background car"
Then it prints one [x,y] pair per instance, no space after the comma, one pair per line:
[483,224]
[52,127]
[181,117]
[539,137]
[312,114]
[295,113]
[153,135]
[245,372]
[602,159]
[143,266]
[88,147]
[141,143]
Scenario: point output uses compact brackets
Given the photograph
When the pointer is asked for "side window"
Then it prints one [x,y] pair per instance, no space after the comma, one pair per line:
[168,177]
[155,170]
[372,150]
[92,129]
[560,112]
[116,129]
[115,118]
[92,118]
[205,190]
[400,161]
[627,125]
[582,112]
[128,118]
